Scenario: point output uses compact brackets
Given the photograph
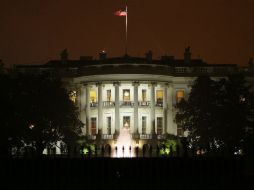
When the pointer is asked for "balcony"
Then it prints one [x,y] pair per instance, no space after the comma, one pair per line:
[127,104]
[108,104]
[161,137]
[145,136]
[92,137]
[135,136]
[94,104]
[144,103]
[106,136]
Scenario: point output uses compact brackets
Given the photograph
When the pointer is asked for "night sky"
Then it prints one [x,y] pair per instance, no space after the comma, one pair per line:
[35,31]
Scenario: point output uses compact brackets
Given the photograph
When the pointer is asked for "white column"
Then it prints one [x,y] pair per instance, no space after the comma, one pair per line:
[88,130]
[170,115]
[78,91]
[83,107]
[165,107]
[117,105]
[152,113]
[100,114]
[135,84]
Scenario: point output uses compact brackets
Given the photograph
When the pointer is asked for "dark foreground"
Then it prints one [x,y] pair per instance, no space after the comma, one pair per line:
[140,173]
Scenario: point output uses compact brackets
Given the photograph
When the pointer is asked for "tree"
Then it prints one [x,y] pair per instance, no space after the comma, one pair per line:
[197,115]
[40,112]
[237,113]
[218,113]
[6,121]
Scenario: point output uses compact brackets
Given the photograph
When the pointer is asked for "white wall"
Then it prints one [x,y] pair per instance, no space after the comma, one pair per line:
[180,84]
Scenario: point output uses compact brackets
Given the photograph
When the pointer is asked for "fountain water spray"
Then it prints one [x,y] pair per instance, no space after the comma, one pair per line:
[124,143]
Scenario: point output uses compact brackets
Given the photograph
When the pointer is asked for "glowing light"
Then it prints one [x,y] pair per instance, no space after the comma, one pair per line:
[126,124]
[124,145]
[179,95]
[126,93]
[73,96]
[31,126]
[93,96]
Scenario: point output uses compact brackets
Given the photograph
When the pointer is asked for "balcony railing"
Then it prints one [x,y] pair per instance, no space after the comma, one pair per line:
[145,136]
[135,136]
[106,136]
[92,137]
[94,104]
[159,104]
[108,104]
[127,103]
[161,137]
[144,103]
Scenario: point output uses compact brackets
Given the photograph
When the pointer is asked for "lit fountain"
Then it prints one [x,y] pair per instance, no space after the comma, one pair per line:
[124,140]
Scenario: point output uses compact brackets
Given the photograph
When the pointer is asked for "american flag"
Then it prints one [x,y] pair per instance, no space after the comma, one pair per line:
[121,13]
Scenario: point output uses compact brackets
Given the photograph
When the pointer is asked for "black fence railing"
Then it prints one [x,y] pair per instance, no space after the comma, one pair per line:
[176,173]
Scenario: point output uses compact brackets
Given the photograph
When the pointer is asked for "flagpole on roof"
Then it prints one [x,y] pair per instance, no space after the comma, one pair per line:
[124,13]
[126,29]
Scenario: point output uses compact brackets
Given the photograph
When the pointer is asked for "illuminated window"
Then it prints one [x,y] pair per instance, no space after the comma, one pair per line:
[126,121]
[93,125]
[143,95]
[73,96]
[159,97]
[93,96]
[179,95]
[109,125]
[126,95]
[109,95]
[143,125]
[159,125]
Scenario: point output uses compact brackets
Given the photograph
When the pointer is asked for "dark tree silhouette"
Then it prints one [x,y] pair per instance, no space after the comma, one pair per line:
[237,116]
[38,112]
[198,113]
[218,114]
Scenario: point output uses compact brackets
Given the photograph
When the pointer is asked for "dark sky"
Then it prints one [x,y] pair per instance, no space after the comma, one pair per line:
[34,31]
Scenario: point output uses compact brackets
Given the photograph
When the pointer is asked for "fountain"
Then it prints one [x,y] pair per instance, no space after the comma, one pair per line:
[124,143]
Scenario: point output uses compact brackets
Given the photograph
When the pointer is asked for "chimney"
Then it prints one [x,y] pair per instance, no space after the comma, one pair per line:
[64,56]
[149,56]
[103,55]
[187,55]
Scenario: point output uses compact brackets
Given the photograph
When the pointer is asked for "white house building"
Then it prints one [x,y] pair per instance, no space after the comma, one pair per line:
[132,93]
